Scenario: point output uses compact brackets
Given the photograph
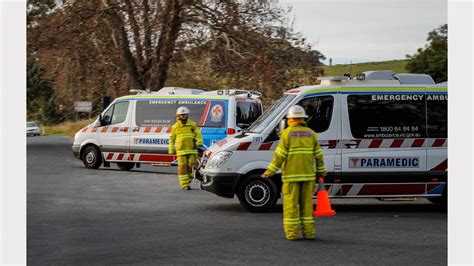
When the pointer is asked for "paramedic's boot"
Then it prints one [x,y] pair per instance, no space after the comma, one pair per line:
[323,206]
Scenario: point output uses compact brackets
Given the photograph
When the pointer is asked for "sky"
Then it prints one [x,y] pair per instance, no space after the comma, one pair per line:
[367,30]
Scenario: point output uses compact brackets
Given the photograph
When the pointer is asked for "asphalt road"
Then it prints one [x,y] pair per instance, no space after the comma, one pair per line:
[107,216]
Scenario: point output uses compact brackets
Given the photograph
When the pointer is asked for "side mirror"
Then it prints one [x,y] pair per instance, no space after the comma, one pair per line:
[101,120]
[282,125]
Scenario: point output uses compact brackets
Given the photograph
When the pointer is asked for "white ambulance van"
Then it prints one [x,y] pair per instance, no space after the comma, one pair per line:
[135,129]
[384,135]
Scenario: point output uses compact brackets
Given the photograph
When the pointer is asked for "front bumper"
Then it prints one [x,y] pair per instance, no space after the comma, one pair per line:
[220,184]
[32,133]
[75,151]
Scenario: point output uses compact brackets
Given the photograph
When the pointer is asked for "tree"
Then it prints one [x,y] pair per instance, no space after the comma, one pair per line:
[107,47]
[433,58]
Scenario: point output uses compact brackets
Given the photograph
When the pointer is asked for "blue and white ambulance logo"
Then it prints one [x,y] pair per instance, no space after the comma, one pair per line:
[384,162]
[217,113]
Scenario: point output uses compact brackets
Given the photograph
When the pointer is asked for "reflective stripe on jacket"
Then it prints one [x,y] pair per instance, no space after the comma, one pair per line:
[295,155]
[186,137]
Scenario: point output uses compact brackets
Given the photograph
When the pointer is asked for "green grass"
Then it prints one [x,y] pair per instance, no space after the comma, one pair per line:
[67,128]
[397,66]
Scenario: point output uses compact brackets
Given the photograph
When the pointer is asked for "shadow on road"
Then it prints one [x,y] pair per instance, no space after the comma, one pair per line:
[341,208]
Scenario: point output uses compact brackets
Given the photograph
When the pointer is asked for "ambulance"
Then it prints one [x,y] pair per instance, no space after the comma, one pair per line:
[135,129]
[383,135]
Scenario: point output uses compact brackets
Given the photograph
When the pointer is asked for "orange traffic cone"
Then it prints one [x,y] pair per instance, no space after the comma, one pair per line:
[323,206]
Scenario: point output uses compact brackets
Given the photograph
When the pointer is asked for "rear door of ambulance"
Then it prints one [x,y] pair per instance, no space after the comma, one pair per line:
[247,110]
[383,143]
[211,116]
[437,112]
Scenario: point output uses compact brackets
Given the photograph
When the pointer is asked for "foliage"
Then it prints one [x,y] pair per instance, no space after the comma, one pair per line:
[397,66]
[41,101]
[67,128]
[433,58]
[89,49]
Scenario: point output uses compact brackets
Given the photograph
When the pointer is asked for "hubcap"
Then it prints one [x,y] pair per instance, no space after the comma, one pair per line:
[90,157]
[257,194]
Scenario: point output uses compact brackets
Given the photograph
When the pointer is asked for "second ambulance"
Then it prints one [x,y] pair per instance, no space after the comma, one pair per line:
[384,135]
[135,129]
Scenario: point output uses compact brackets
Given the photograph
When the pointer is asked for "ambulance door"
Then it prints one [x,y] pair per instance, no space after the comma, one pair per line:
[323,118]
[383,144]
[113,133]
[437,151]
[151,128]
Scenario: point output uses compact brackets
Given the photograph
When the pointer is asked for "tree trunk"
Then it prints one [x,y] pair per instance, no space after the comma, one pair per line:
[166,44]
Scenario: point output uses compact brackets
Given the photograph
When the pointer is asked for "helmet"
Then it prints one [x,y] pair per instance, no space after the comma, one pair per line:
[296,112]
[183,110]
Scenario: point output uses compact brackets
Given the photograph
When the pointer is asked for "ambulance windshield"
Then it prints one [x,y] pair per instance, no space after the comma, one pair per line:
[271,114]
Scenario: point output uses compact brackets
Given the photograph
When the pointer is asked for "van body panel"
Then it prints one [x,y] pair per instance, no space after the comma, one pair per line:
[142,134]
[403,159]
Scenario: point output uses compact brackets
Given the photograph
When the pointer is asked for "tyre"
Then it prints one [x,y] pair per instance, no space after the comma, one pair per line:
[125,166]
[257,194]
[91,157]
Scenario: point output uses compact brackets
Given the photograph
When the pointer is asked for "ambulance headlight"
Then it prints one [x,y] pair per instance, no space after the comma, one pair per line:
[218,159]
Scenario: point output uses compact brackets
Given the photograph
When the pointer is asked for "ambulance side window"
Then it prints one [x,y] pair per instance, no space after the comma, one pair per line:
[120,112]
[155,113]
[387,115]
[117,113]
[107,117]
[247,112]
[319,111]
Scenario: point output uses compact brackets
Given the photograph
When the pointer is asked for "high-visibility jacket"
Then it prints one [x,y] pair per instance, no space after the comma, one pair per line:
[296,154]
[186,137]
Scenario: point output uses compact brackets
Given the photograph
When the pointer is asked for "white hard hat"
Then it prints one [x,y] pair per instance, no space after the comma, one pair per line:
[296,112]
[183,110]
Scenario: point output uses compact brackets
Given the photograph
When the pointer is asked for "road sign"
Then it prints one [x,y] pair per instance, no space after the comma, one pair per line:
[83,106]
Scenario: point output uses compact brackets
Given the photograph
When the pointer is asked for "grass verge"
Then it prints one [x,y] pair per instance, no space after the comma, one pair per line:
[67,128]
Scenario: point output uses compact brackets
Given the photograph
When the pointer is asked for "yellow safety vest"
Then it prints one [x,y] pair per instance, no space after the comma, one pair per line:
[186,137]
[295,155]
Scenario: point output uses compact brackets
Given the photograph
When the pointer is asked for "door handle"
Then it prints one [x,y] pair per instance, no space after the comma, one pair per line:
[122,129]
[351,145]
[136,129]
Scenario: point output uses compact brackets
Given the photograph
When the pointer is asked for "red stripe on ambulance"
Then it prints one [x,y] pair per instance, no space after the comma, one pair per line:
[418,143]
[243,146]
[439,143]
[397,143]
[443,166]
[157,158]
[265,146]
[375,143]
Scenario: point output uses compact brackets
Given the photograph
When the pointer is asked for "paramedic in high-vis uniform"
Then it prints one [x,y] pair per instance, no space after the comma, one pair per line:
[187,137]
[296,154]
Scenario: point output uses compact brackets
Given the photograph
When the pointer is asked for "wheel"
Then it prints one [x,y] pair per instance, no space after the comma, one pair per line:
[92,158]
[125,166]
[257,194]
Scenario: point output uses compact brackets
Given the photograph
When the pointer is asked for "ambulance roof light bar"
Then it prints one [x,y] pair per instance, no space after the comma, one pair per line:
[335,78]
[140,91]
[250,94]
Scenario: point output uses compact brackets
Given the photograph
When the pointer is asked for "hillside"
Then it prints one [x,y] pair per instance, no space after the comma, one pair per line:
[398,66]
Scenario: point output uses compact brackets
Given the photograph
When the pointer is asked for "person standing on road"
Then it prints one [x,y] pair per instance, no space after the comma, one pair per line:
[187,137]
[296,154]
